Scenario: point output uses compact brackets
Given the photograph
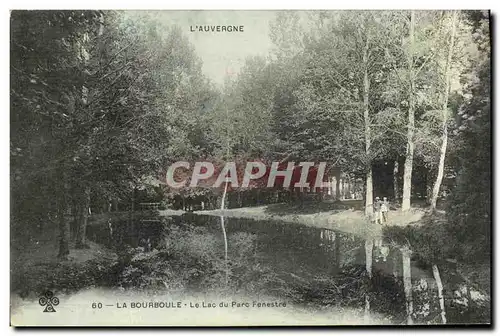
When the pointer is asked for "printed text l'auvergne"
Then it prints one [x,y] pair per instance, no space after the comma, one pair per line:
[217,28]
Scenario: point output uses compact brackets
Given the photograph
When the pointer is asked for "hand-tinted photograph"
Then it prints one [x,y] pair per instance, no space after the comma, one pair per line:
[250,168]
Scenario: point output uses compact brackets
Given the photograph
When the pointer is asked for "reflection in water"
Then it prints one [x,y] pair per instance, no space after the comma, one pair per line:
[369,264]
[406,254]
[437,277]
[369,256]
[225,247]
[318,266]
[311,266]
[224,233]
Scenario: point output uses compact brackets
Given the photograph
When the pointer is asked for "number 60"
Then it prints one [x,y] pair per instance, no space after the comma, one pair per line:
[96,305]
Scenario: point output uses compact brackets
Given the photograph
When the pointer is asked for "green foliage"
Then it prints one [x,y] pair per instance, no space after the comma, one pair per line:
[62,277]
[425,240]
[100,100]
[190,258]
[469,209]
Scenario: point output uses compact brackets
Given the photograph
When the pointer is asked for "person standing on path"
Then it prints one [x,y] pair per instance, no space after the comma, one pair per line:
[376,209]
[384,210]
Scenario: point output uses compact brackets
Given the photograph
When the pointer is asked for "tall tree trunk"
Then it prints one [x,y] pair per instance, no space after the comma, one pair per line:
[410,145]
[369,193]
[437,277]
[83,214]
[366,112]
[83,192]
[406,256]
[395,180]
[444,143]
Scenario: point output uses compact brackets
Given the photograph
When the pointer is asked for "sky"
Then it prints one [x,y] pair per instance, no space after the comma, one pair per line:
[223,52]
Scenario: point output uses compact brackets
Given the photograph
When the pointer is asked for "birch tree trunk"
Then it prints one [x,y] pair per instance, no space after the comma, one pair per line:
[410,145]
[366,110]
[444,144]
[437,277]
[369,193]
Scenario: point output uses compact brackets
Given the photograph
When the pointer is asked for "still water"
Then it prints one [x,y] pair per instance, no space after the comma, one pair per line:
[316,269]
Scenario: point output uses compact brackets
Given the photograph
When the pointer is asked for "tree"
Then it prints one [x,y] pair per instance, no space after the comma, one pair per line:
[340,97]
[45,79]
[408,166]
[85,97]
[412,46]
[469,205]
[444,144]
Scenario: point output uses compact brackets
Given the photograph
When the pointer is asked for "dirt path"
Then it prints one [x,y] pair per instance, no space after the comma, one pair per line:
[349,221]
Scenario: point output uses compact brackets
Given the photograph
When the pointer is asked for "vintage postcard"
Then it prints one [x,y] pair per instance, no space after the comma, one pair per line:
[250,168]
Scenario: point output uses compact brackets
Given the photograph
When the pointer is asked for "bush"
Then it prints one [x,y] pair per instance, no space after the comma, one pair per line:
[191,258]
[62,277]
[430,241]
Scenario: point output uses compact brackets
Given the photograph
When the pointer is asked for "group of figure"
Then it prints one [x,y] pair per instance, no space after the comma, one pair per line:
[146,244]
[381,210]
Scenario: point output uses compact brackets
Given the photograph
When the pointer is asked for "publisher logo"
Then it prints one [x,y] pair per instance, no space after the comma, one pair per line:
[49,301]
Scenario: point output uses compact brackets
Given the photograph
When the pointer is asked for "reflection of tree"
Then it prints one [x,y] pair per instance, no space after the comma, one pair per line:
[224,233]
[395,263]
[406,254]
[369,266]
[369,257]
[330,241]
[337,250]
[437,277]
